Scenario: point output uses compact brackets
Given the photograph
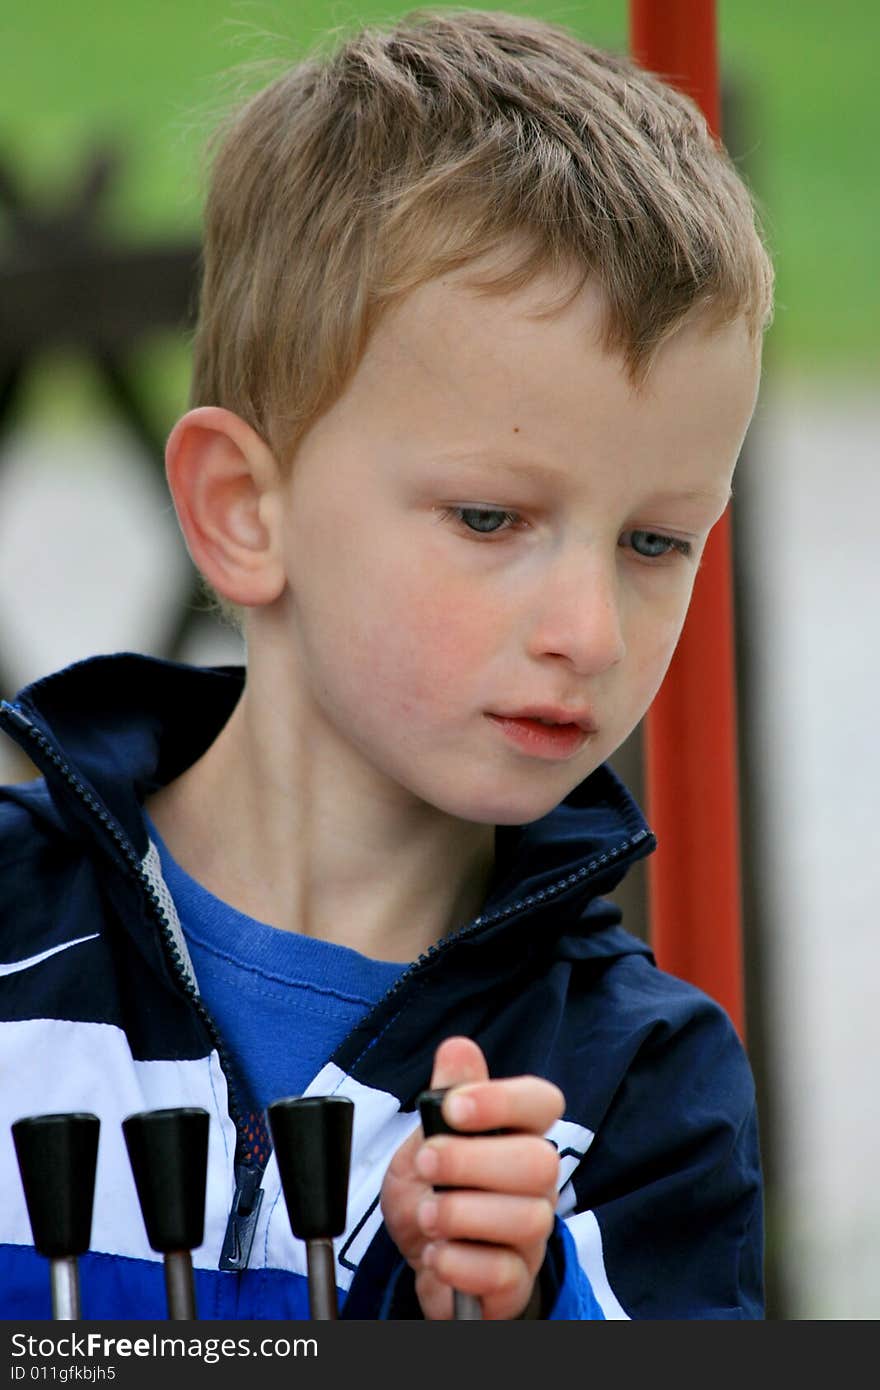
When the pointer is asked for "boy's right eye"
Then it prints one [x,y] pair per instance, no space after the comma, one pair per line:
[484,521]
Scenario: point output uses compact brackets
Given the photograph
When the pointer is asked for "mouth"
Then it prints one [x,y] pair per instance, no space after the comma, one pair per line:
[555,734]
[553,716]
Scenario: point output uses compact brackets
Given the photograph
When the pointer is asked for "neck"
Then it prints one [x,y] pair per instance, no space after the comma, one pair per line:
[287,825]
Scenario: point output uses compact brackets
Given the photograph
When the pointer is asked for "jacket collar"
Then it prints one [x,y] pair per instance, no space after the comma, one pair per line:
[125,725]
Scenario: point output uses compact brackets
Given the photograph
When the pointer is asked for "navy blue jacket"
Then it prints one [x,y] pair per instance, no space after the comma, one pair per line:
[659,1212]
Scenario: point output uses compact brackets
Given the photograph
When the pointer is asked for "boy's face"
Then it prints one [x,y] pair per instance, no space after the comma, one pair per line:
[492,523]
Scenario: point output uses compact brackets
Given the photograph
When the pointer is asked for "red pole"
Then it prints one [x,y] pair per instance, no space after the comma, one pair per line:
[691,741]
[677,39]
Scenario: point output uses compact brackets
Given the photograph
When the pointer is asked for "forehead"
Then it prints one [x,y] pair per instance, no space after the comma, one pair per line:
[451,369]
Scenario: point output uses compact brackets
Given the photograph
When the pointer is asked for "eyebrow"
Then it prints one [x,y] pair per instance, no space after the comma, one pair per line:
[544,472]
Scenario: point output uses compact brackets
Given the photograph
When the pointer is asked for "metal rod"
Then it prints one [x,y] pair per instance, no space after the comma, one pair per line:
[64,1283]
[322,1279]
[179,1286]
[466,1307]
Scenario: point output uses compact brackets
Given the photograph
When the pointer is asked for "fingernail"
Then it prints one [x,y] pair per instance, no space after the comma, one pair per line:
[461,1109]
[427,1162]
[428,1255]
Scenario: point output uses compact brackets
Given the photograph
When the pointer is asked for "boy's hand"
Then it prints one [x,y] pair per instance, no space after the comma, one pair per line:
[488,1239]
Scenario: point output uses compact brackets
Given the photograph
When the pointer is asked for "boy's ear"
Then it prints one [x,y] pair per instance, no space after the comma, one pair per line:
[224,481]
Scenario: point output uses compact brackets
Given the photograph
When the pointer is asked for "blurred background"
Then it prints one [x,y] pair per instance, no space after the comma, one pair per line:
[104,114]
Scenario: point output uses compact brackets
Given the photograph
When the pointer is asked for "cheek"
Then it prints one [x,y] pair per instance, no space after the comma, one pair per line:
[409,638]
[653,652]
[432,642]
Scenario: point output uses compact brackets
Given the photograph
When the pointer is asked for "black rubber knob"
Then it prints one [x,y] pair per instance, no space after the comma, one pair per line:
[432,1117]
[57,1157]
[168,1152]
[312,1140]
[429,1103]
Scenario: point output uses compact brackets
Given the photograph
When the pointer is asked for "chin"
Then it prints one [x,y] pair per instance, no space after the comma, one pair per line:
[484,808]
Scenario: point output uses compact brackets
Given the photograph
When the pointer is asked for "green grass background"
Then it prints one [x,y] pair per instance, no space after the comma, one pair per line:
[148,77]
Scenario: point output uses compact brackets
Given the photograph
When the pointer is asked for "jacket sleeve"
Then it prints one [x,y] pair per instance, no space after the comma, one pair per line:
[665,1209]
[384,1286]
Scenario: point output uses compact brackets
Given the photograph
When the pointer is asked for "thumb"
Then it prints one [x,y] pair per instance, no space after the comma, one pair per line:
[458,1060]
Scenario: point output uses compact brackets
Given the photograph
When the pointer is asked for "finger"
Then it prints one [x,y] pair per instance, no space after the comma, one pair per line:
[518,1102]
[522,1223]
[458,1060]
[496,1274]
[519,1163]
[434,1296]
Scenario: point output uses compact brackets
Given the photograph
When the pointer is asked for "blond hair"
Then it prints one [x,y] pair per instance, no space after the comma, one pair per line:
[419,148]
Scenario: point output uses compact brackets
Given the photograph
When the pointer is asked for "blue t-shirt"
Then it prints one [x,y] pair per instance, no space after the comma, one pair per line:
[282,1002]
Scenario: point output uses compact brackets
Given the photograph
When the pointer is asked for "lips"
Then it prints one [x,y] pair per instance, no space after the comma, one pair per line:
[541,735]
[550,716]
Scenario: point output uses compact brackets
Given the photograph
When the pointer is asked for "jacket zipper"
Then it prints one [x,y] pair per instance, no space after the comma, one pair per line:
[248,1195]
[554,890]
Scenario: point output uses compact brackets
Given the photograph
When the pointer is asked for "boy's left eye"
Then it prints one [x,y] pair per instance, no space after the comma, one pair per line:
[651,545]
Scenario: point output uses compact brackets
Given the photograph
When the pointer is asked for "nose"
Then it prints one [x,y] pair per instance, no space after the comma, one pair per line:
[577,618]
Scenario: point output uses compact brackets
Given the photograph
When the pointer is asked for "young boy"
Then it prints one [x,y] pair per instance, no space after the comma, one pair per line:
[478,345]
